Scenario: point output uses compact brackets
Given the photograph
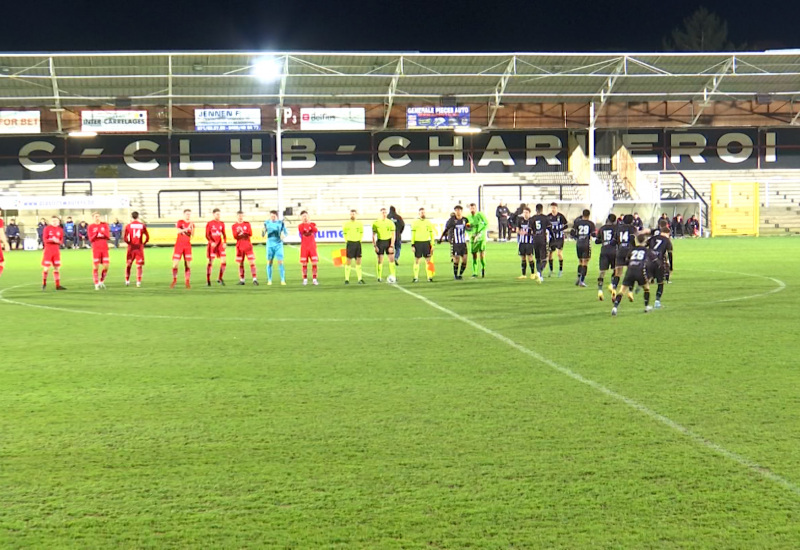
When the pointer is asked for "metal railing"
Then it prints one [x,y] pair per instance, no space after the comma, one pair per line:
[562,187]
[201,192]
[687,191]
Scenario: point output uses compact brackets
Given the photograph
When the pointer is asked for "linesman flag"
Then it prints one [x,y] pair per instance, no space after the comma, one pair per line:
[432,268]
[340,257]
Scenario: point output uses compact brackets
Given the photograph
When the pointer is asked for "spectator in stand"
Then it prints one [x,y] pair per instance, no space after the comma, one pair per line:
[503,214]
[12,233]
[664,217]
[637,222]
[677,226]
[693,226]
[39,229]
[116,232]
[399,225]
[83,234]
[70,233]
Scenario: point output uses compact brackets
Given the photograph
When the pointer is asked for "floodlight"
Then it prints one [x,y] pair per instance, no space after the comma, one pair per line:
[267,69]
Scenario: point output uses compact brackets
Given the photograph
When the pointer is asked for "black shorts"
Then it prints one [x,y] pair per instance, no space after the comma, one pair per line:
[656,270]
[556,244]
[584,251]
[540,250]
[608,260]
[383,247]
[422,249]
[632,277]
[353,250]
[622,258]
[526,249]
[459,249]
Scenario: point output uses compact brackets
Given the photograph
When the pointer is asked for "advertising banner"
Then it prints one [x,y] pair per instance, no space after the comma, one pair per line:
[64,203]
[20,122]
[437,117]
[227,120]
[114,121]
[338,118]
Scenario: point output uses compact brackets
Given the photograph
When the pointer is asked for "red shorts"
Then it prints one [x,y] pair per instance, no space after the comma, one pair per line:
[308,253]
[100,255]
[184,250]
[51,257]
[244,250]
[215,251]
[135,254]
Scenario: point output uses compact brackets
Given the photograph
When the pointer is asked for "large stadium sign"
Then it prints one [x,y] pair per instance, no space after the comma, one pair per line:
[389,152]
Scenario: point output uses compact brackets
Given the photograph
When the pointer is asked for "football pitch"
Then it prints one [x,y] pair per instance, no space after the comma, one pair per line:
[488,413]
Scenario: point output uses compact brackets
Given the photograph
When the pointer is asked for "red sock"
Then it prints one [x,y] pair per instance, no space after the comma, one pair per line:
[187,273]
[1,269]
[128,272]
[208,272]
[222,267]
[241,270]
[103,275]
[174,273]
[305,271]
[253,271]
[314,270]
[57,277]
[44,278]
[94,275]
[138,274]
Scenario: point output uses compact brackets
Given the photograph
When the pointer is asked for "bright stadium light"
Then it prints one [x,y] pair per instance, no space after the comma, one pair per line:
[267,69]
[467,130]
[82,134]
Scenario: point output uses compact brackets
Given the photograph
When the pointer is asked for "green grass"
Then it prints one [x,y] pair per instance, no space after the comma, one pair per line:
[363,417]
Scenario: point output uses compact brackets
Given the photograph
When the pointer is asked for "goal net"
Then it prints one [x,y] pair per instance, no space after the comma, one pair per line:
[734,208]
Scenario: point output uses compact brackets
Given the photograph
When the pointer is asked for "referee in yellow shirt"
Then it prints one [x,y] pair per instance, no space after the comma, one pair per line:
[383,233]
[353,233]
[422,238]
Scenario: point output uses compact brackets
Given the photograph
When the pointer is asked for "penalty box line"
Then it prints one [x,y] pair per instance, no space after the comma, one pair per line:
[653,415]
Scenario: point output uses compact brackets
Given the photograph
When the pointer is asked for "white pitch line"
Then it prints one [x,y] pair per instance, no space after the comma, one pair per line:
[201,318]
[700,440]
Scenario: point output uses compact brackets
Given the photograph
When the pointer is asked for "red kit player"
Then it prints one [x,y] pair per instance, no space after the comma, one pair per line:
[308,247]
[53,238]
[215,235]
[242,231]
[99,233]
[183,248]
[136,236]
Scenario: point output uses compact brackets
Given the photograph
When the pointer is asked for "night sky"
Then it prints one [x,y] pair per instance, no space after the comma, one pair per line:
[377,25]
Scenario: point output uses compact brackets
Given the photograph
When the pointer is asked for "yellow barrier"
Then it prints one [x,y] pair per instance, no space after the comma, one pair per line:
[734,208]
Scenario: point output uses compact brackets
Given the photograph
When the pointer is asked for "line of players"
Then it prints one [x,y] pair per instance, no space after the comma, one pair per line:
[136,236]
[539,236]
[647,253]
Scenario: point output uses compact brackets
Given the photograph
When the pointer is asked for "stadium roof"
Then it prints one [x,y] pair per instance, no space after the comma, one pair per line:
[227,78]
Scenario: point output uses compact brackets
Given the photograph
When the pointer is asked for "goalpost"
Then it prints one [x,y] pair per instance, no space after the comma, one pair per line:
[734,208]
